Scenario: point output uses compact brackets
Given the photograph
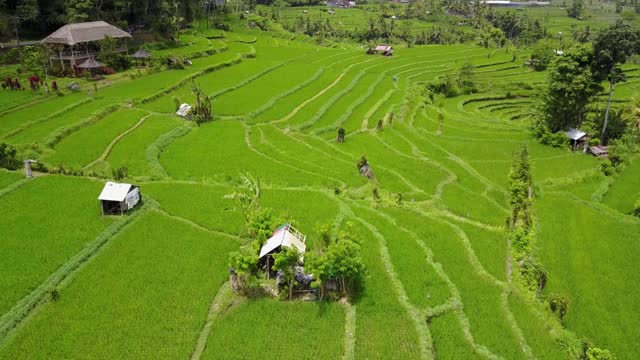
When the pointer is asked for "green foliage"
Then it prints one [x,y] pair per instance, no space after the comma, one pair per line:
[577,10]
[595,353]
[571,86]
[8,157]
[543,54]
[558,305]
[202,107]
[248,198]
[341,261]
[521,190]
[261,225]
[77,10]
[286,261]
[120,173]
[636,208]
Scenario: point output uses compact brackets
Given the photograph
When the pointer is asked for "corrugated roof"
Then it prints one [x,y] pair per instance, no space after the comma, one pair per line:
[575,134]
[114,191]
[72,34]
[282,237]
[383,48]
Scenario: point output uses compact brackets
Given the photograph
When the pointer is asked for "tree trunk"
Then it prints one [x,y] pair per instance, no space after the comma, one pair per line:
[606,112]
[290,289]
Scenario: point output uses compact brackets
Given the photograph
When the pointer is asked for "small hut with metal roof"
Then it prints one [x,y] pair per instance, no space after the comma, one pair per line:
[578,138]
[284,236]
[74,40]
[118,198]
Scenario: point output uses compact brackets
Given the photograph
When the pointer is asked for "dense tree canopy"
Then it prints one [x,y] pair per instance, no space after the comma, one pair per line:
[570,88]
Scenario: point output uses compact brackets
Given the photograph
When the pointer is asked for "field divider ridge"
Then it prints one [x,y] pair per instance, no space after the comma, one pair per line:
[28,124]
[113,143]
[152,153]
[54,138]
[13,186]
[253,78]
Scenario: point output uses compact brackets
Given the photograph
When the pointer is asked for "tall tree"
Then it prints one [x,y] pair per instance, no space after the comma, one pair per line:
[571,86]
[612,47]
[78,10]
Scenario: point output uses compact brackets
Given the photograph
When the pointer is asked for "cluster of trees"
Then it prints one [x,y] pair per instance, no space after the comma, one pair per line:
[39,17]
[8,157]
[521,233]
[575,81]
[336,262]
[459,82]
[520,223]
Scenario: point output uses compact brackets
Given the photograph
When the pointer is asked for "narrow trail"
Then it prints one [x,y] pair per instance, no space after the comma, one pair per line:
[113,143]
[198,226]
[349,332]
[221,302]
[14,186]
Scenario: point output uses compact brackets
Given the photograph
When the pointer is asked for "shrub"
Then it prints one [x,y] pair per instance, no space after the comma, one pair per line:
[607,167]
[558,305]
[594,142]
[120,173]
[636,208]
[595,353]
[8,157]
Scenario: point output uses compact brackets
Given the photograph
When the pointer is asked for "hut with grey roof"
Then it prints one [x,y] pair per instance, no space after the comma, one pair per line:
[74,41]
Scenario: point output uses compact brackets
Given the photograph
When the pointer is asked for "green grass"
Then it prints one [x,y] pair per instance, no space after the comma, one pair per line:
[448,339]
[87,144]
[63,215]
[8,177]
[278,328]
[130,151]
[625,190]
[588,254]
[148,291]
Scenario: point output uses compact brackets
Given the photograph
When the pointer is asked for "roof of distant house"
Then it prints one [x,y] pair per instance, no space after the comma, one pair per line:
[77,33]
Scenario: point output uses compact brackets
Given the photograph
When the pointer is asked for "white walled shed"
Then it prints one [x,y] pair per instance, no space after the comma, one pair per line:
[118,198]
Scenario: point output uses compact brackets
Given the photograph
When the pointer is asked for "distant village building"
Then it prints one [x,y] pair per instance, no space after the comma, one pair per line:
[118,198]
[79,41]
[341,3]
[507,3]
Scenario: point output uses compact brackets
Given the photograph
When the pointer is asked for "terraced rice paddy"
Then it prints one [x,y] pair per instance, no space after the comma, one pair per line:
[141,286]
